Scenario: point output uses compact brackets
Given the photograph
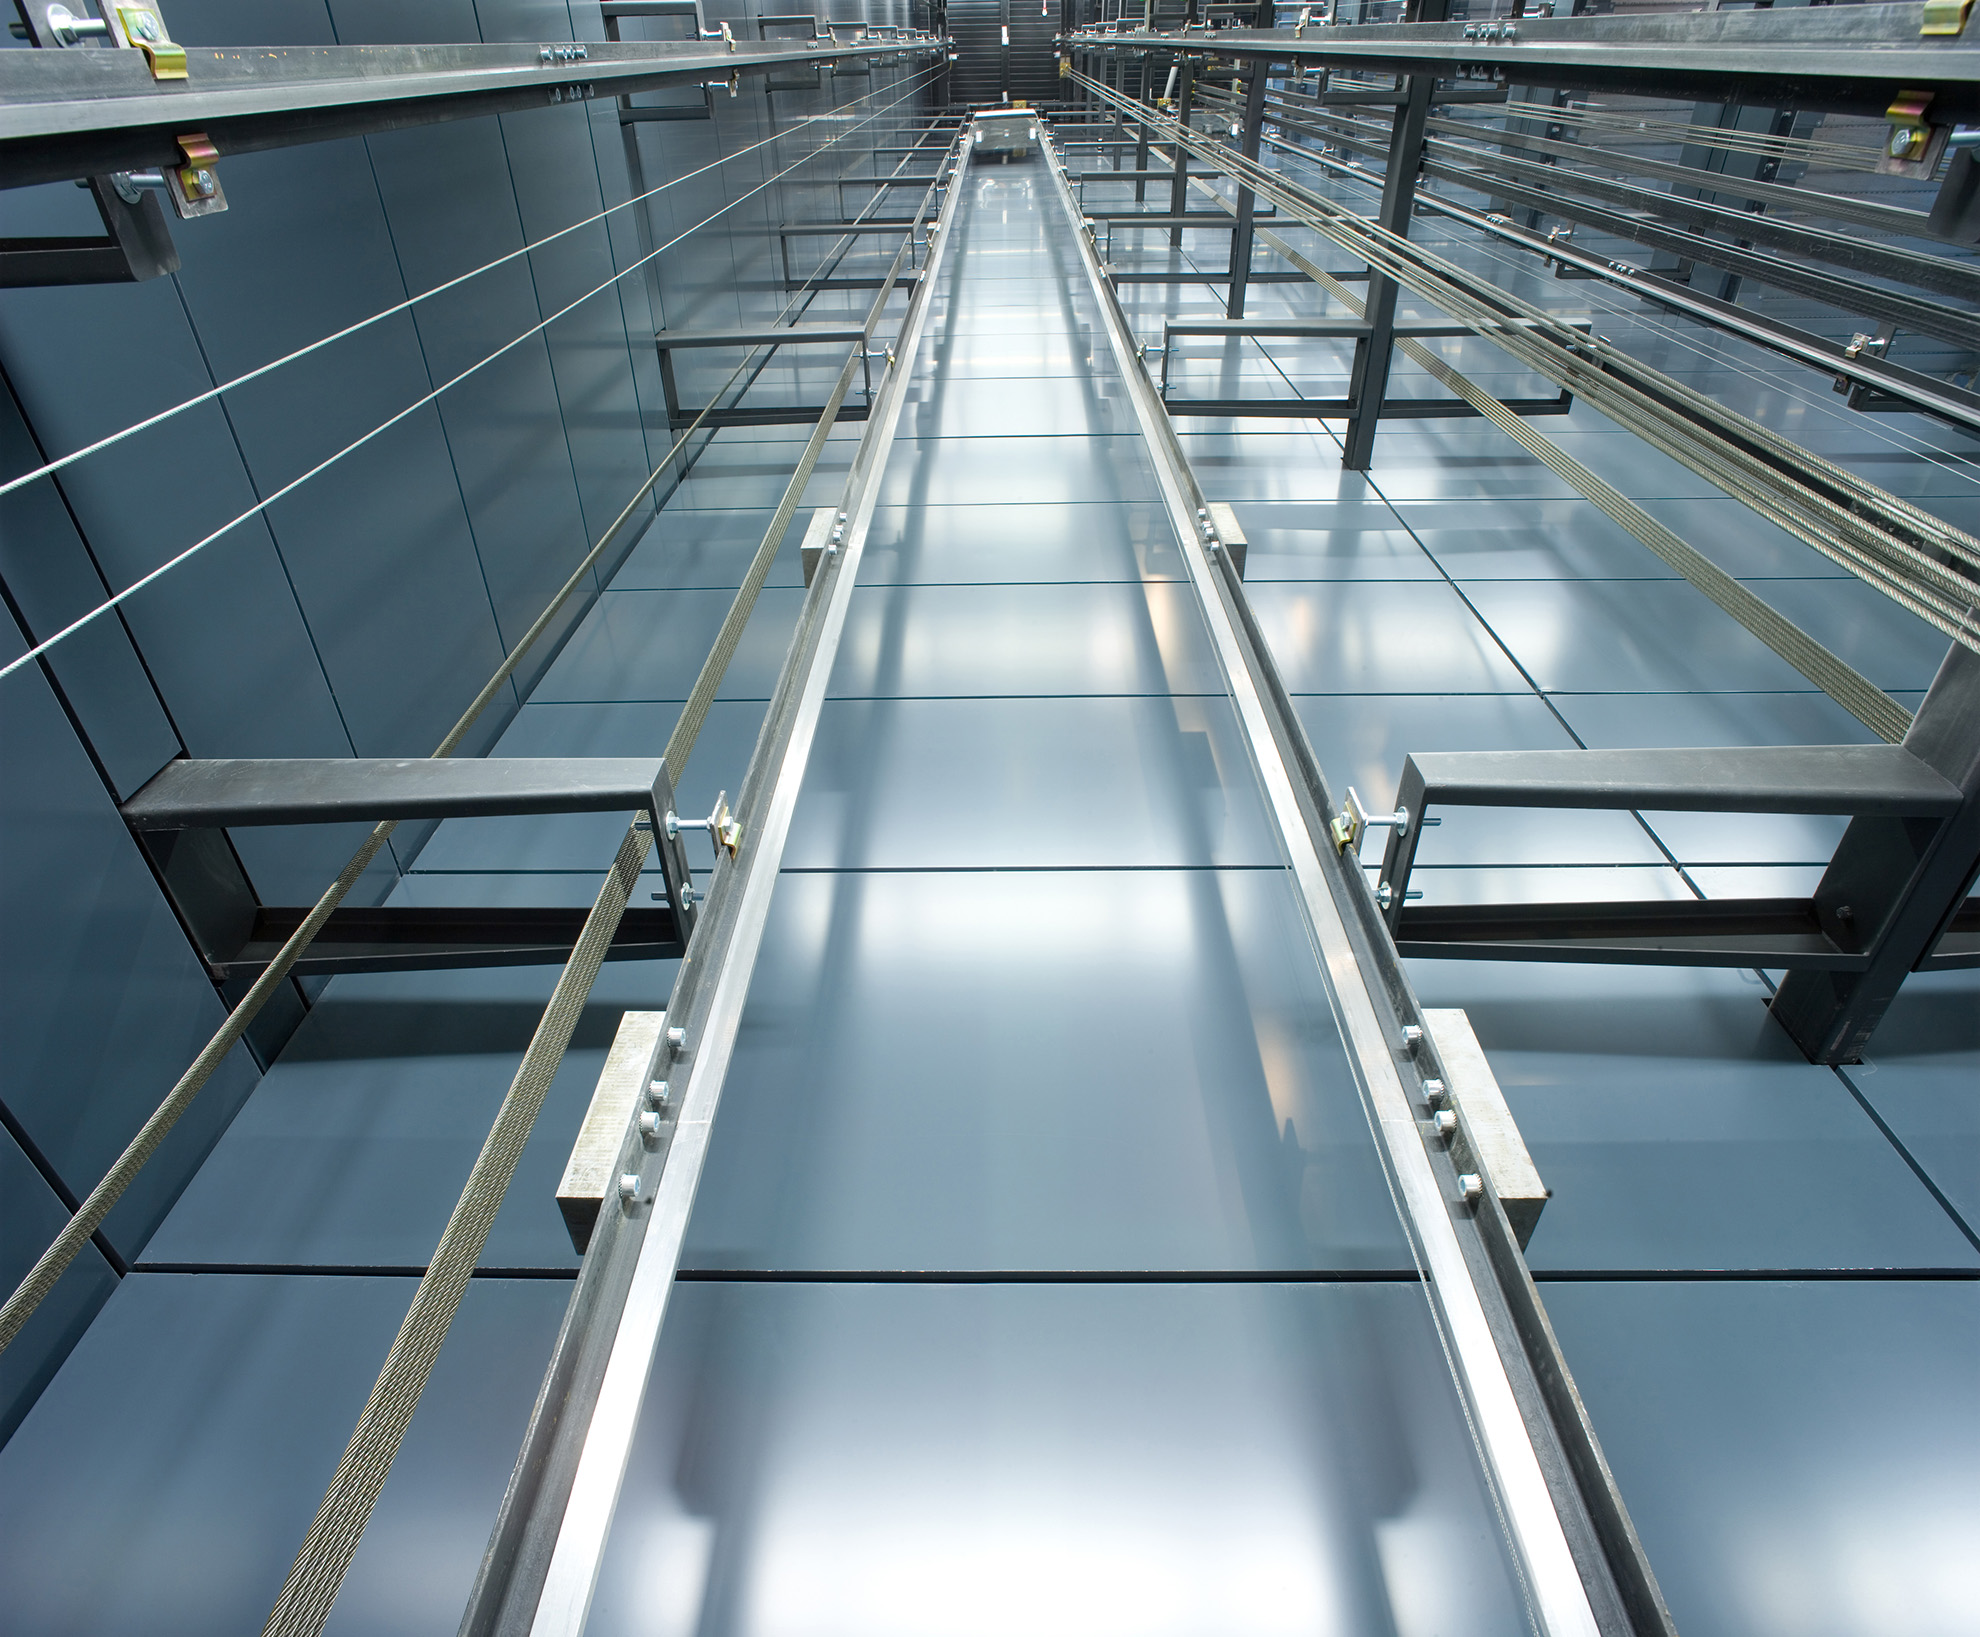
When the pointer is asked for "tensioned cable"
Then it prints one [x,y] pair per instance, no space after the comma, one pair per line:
[1959,463]
[411,302]
[413,408]
[1841,681]
[1774,480]
[90,1215]
[318,1572]
[1855,156]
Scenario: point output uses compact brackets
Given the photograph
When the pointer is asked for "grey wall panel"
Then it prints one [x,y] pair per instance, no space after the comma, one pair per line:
[30,1217]
[103,1004]
[234,1397]
[223,633]
[355,1146]
[378,545]
[555,173]
[1786,1448]
[51,579]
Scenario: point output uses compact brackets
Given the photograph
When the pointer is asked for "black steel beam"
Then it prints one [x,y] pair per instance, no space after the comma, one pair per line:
[425,940]
[1339,409]
[1896,886]
[1755,932]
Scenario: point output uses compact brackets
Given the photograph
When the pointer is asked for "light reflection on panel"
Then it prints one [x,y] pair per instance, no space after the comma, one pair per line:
[1040,1069]
[1070,1461]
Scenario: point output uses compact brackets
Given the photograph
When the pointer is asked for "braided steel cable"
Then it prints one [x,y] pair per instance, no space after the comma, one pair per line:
[1863,531]
[318,1572]
[1842,682]
[304,351]
[91,1213]
[326,1552]
[410,409]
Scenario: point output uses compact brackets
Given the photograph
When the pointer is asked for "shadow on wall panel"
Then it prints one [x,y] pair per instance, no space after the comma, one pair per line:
[31,1216]
[102,1006]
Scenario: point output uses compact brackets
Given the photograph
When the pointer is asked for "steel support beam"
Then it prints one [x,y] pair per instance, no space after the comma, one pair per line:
[1896,883]
[1843,59]
[1252,129]
[86,111]
[1179,156]
[1369,384]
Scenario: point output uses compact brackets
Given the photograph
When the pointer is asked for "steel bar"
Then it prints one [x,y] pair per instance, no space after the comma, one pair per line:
[1488,309]
[219,794]
[1954,405]
[1866,212]
[87,112]
[1844,59]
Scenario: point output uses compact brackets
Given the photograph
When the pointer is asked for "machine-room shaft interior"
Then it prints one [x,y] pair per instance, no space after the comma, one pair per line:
[1153,821]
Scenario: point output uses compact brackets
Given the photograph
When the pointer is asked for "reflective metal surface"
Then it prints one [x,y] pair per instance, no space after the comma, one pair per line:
[950,1067]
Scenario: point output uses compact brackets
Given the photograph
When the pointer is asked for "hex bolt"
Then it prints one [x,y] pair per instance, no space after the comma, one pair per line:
[1412,1036]
[1472,1187]
[649,1127]
[1436,1093]
[1446,1124]
[629,1187]
[657,1093]
[677,1041]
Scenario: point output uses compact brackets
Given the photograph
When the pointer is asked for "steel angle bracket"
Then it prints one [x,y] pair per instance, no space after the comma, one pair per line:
[543,1560]
[672,853]
[1583,1567]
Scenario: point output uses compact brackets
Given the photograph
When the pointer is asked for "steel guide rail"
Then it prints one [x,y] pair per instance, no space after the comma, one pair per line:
[1583,1567]
[1843,59]
[543,1560]
[89,111]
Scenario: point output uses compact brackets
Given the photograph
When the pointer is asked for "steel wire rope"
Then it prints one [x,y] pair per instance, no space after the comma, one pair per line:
[325,1555]
[1957,463]
[1834,676]
[413,408]
[255,374]
[91,1213]
[1918,582]
[1859,156]
[1954,593]
[1909,576]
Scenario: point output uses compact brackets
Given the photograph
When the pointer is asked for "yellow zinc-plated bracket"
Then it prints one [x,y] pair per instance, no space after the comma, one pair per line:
[1945,16]
[141,26]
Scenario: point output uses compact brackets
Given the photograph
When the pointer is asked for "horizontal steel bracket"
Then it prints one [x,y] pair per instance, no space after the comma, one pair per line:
[1842,779]
[191,795]
[762,335]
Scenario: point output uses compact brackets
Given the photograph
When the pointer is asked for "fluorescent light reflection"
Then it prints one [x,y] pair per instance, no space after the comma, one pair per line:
[1073,1558]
